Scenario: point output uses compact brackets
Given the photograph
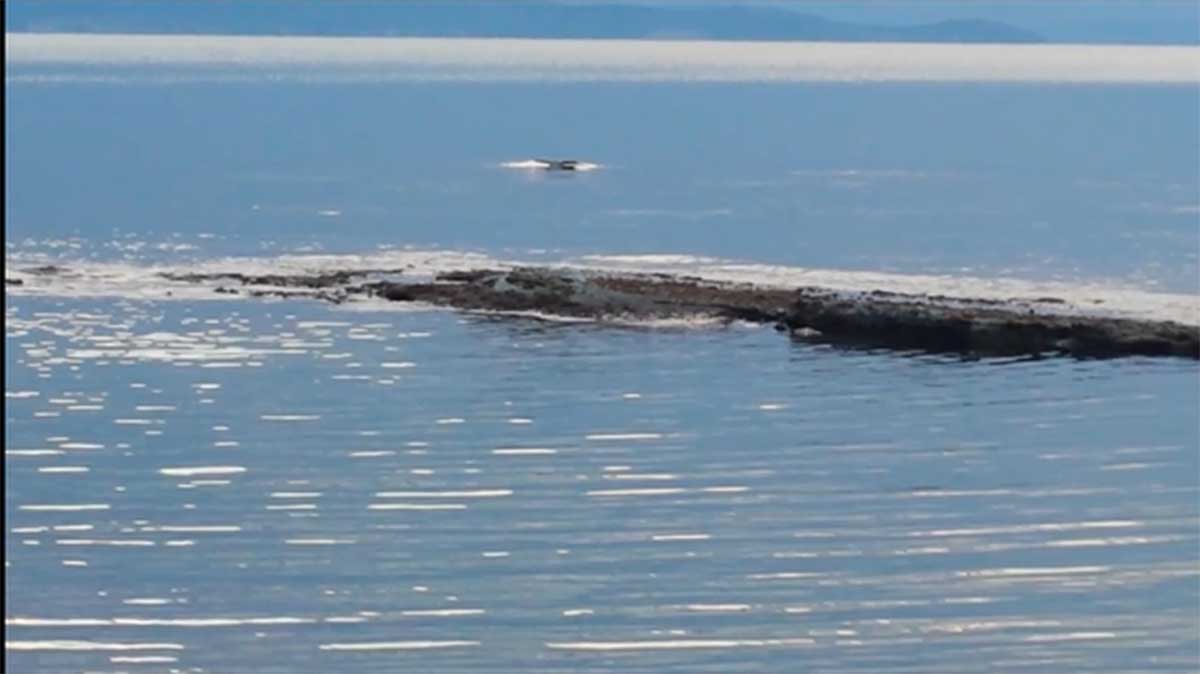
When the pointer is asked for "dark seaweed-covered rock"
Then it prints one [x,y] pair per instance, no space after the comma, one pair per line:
[883,319]
[879,318]
[44,270]
[986,329]
[333,279]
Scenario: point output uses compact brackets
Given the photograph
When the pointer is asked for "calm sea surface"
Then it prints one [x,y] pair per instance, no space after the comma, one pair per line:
[215,485]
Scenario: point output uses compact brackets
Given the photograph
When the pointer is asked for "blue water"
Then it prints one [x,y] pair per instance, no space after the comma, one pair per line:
[1018,516]
[1082,182]
[290,486]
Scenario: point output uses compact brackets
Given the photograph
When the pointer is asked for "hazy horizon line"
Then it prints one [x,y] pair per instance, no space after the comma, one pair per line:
[542,59]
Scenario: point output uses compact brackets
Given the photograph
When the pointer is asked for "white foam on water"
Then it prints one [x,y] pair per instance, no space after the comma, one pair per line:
[112,542]
[645,477]
[539,316]
[397,645]
[197,528]
[70,645]
[524,451]
[674,644]
[526,164]
[87,278]
[475,493]
[786,575]
[443,613]
[64,508]
[539,164]
[156,622]
[1029,528]
[680,537]
[417,506]
[202,470]
[1111,540]
[1070,636]
[1033,571]
[718,608]
[657,491]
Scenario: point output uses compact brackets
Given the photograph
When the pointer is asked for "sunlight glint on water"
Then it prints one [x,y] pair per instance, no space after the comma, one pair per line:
[212,484]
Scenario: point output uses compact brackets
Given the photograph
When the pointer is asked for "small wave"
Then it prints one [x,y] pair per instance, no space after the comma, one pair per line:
[674,644]
[75,645]
[526,164]
[397,645]
[548,165]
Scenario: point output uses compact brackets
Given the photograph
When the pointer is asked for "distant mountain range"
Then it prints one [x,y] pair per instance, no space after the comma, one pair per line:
[476,19]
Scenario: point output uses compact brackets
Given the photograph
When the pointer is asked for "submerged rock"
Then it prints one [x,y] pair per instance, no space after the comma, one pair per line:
[44,270]
[872,319]
[876,319]
[332,279]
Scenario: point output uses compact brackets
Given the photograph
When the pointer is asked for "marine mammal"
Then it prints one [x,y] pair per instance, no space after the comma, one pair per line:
[552,164]
[560,164]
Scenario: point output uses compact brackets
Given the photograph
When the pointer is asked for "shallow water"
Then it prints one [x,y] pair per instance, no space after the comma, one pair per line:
[523,496]
[240,485]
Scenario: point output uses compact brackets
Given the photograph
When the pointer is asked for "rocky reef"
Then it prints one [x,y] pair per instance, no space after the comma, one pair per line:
[876,319]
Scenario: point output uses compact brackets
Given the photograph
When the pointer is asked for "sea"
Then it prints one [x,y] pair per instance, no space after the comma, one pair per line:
[203,483]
